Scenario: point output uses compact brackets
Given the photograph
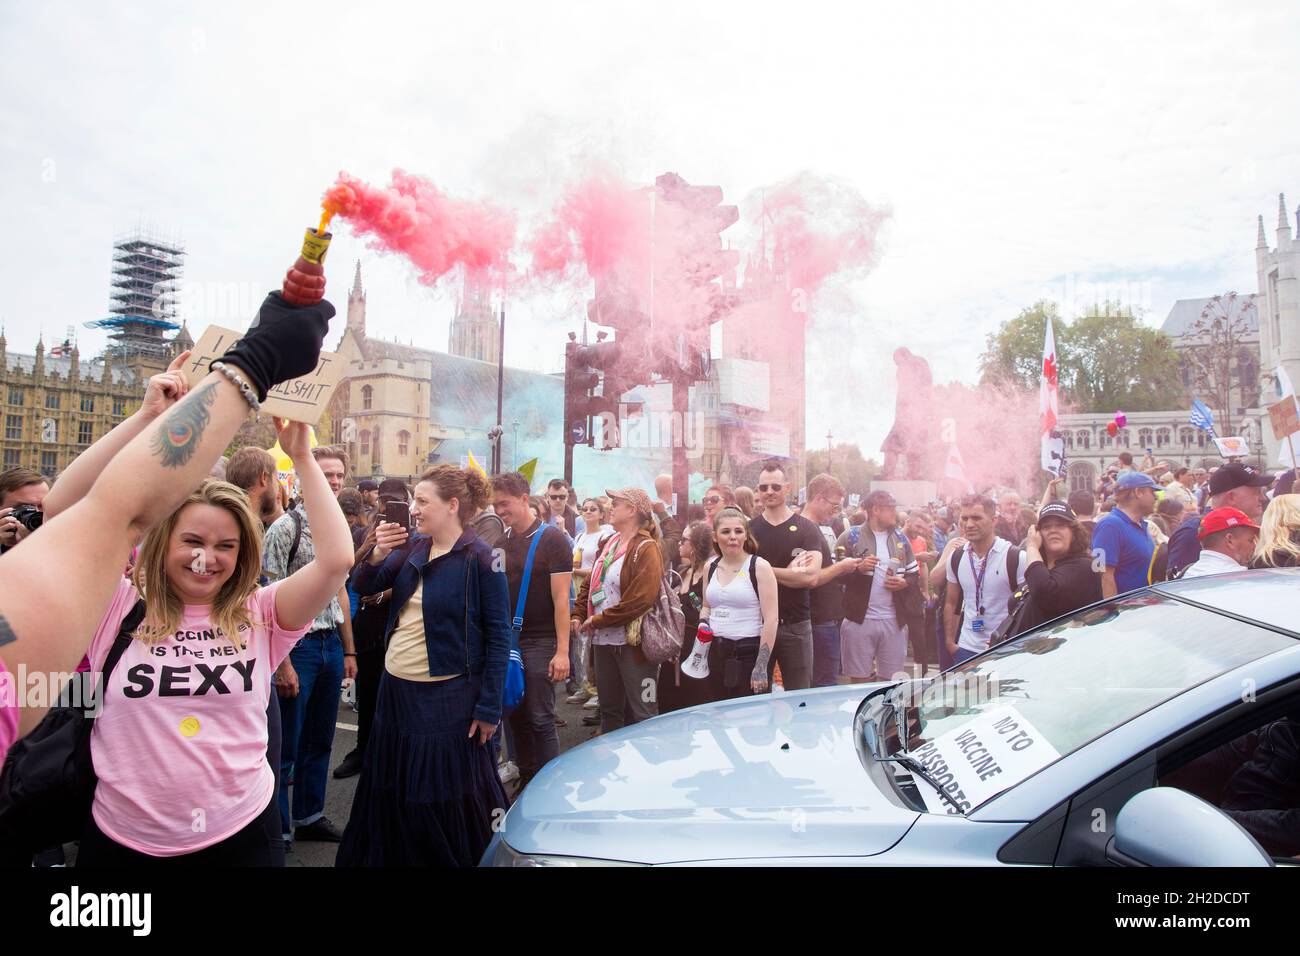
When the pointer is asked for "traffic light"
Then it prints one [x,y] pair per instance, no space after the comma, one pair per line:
[581,374]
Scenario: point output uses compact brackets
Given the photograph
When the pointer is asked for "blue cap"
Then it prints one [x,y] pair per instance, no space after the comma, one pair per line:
[1135,479]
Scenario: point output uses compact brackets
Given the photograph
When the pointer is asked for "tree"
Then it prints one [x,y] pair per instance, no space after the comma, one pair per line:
[846,463]
[1108,360]
[1014,353]
[255,431]
[1216,360]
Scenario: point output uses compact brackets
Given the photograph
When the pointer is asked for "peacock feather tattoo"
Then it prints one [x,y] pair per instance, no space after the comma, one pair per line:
[179,434]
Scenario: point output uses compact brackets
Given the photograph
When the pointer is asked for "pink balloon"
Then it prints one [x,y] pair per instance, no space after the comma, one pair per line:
[1121,419]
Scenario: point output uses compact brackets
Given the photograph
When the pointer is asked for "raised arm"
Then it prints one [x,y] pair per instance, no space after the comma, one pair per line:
[163,391]
[307,591]
[46,620]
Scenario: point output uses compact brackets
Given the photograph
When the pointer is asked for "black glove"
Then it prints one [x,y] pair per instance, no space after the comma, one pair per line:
[284,342]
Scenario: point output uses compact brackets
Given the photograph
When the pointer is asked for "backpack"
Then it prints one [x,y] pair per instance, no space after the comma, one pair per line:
[48,782]
[1013,563]
[659,630]
[753,573]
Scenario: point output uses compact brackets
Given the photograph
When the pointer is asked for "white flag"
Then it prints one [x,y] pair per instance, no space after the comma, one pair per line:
[1051,445]
[954,469]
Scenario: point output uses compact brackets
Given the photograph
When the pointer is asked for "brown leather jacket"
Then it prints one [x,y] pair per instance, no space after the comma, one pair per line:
[638,584]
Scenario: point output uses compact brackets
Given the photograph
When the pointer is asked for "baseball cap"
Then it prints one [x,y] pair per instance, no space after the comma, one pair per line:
[1221,519]
[367,484]
[1135,479]
[394,488]
[637,498]
[1236,475]
[1057,509]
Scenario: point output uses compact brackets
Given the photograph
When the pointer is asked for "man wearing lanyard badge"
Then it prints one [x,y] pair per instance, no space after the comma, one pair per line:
[978,592]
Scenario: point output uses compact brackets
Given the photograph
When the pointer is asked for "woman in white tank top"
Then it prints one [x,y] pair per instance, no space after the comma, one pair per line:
[740,605]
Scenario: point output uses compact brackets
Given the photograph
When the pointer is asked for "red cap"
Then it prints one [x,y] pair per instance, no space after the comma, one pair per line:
[1221,519]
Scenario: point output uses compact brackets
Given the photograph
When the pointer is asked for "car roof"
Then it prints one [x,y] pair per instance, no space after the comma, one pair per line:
[1269,596]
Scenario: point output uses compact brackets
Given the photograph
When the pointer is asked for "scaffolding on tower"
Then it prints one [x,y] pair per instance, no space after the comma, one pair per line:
[145,292]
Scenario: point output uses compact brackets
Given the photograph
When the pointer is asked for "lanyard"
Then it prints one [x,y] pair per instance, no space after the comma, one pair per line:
[612,554]
[979,576]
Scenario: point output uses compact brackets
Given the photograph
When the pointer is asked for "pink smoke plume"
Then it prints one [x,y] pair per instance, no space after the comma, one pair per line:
[996,430]
[414,218]
[598,224]
[819,227]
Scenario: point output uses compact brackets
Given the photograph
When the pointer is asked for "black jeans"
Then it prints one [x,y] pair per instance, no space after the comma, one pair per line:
[731,665]
[257,844]
[533,722]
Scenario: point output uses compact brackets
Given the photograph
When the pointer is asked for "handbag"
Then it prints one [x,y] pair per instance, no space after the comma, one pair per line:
[514,687]
[48,782]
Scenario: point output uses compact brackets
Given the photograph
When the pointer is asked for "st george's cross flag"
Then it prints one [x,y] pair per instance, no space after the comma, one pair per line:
[1051,444]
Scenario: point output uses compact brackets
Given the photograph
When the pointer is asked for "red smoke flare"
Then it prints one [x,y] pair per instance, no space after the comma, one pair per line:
[414,218]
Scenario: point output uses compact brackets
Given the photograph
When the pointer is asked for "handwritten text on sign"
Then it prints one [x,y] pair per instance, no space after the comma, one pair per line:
[299,399]
[982,757]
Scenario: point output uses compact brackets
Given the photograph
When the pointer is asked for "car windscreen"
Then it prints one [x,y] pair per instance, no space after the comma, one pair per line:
[990,722]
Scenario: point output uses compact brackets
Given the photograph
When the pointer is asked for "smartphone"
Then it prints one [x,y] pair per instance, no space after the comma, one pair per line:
[398,512]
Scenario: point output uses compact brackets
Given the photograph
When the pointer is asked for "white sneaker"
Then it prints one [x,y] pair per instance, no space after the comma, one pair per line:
[593,704]
[508,772]
[581,697]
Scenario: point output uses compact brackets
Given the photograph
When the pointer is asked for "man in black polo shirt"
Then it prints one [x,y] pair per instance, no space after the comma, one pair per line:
[544,640]
[792,545]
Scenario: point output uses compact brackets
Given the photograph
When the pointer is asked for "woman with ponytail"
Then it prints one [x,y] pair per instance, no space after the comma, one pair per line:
[429,790]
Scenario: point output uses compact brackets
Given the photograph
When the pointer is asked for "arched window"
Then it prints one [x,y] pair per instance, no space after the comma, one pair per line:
[365,441]
[1185,436]
[1069,439]
[1144,437]
[403,442]
[1084,438]
[1124,438]
[1162,437]
[367,397]
[1200,438]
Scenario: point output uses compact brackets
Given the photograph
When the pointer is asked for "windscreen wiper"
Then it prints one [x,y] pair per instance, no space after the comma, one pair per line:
[918,770]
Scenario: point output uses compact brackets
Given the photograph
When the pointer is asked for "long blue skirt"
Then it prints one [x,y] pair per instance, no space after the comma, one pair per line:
[428,794]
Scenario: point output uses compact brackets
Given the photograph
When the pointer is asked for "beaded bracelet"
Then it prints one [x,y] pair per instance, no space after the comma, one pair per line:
[240,383]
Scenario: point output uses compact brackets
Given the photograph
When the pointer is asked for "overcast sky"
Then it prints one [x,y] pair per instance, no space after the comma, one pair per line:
[1026,151]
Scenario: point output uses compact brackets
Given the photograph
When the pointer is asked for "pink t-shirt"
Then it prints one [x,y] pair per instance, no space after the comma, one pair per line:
[8,712]
[180,746]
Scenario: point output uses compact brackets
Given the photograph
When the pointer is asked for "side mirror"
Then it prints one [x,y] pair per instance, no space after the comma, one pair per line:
[1165,826]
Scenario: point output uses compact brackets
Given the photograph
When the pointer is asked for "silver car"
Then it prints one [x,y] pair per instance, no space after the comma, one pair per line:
[1114,735]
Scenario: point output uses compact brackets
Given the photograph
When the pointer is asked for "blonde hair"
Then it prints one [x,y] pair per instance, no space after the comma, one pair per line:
[1279,530]
[163,608]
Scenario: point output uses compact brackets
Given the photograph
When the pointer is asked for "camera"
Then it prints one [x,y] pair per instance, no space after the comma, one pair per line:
[29,516]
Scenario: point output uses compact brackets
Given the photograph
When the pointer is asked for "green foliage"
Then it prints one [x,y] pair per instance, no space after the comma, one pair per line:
[1108,360]
[845,462]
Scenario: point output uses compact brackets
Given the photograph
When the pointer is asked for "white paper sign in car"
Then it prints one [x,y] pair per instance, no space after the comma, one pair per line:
[990,753]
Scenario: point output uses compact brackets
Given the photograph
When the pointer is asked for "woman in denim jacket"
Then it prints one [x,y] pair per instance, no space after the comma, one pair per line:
[429,791]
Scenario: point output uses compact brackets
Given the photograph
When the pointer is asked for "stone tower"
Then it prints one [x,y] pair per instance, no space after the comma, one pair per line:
[475,332]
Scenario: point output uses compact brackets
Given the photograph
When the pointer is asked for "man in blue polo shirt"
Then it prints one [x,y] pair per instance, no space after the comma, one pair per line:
[1122,535]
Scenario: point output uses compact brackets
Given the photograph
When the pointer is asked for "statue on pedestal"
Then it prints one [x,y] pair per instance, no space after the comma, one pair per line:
[911,446]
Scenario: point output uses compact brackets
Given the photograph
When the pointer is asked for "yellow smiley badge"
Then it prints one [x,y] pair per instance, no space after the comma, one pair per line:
[794,527]
[189,726]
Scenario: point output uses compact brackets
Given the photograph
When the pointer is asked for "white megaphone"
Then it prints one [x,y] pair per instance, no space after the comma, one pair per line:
[697,665]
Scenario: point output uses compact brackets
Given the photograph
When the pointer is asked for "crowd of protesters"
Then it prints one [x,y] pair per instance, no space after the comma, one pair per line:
[212,590]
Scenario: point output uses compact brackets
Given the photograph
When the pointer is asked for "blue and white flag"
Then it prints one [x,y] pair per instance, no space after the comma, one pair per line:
[1201,416]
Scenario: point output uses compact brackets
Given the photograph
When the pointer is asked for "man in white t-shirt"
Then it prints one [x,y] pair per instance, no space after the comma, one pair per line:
[978,593]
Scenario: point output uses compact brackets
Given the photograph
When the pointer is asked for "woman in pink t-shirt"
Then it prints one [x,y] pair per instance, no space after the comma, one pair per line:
[180,745]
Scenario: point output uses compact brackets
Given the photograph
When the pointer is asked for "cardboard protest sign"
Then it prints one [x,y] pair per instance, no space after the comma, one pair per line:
[1284,418]
[1232,447]
[298,400]
[982,757]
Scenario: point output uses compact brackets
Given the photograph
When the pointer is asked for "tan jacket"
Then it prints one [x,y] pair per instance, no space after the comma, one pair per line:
[638,584]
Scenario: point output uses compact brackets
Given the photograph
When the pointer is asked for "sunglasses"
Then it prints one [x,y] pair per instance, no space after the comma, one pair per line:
[712,500]
[558,497]
[773,487]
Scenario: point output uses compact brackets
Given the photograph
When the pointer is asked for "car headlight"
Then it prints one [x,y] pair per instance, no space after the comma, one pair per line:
[505,856]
